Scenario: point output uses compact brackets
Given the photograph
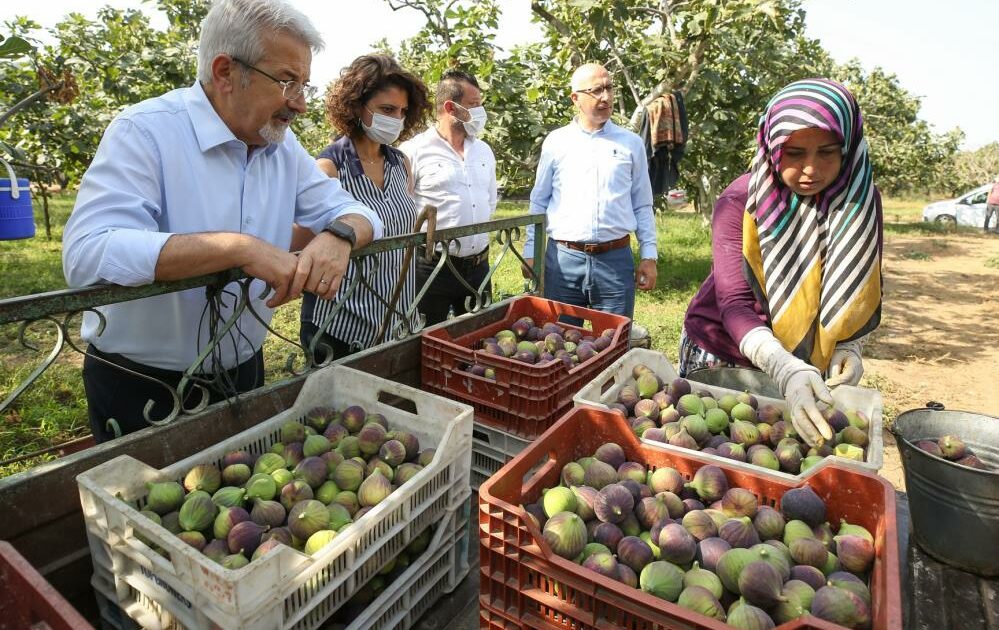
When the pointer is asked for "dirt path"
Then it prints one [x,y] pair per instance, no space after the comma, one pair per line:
[939,337]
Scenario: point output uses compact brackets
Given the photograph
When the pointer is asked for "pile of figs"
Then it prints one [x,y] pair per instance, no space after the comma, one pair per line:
[707,546]
[320,477]
[953,448]
[734,426]
[539,345]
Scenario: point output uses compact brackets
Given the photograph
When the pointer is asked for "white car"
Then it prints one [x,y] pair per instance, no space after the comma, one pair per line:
[968,209]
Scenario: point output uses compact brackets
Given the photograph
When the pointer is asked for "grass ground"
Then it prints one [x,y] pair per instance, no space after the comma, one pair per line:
[54,409]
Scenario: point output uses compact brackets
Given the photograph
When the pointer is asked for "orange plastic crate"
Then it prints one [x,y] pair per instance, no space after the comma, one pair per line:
[524,585]
[524,399]
[27,600]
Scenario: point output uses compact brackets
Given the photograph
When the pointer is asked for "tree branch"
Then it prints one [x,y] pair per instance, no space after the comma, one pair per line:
[560,27]
[28,101]
[435,19]
[624,71]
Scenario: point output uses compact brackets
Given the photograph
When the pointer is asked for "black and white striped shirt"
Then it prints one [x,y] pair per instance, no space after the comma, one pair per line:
[359,319]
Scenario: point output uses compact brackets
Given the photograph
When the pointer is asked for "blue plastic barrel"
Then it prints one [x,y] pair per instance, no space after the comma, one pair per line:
[16,218]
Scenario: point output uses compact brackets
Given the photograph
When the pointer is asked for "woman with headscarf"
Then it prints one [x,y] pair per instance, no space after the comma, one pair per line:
[374,103]
[795,284]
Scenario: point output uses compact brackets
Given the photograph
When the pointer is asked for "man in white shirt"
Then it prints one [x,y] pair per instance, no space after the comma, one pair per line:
[593,186]
[455,171]
[196,181]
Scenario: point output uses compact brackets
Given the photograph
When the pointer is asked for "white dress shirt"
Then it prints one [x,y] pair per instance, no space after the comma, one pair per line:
[594,187]
[170,165]
[462,189]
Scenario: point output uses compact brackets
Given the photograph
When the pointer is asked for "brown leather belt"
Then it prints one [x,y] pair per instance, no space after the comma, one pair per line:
[461,262]
[597,248]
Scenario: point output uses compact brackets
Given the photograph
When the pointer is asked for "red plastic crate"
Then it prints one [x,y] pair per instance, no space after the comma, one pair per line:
[524,399]
[27,600]
[523,584]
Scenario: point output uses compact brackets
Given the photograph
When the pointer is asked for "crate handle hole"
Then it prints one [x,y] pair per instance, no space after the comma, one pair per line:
[395,400]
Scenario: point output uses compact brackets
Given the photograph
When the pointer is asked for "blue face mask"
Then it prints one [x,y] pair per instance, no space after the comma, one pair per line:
[383,129]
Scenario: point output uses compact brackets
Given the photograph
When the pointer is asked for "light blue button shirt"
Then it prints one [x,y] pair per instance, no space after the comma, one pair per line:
[170,165]
[594,187]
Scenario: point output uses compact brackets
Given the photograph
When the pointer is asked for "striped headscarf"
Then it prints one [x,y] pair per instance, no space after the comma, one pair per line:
[814,262]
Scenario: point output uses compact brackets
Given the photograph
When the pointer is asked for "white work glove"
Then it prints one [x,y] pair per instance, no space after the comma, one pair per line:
[800,383]
[847,365]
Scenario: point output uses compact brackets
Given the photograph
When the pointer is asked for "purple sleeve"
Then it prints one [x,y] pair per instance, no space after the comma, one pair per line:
[737,306]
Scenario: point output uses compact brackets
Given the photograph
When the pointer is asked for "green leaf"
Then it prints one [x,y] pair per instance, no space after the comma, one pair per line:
[14,47]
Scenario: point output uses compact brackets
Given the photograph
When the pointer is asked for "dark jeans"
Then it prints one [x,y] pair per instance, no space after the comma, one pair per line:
[113,393]
[307,331]
[992,212]
[447,292]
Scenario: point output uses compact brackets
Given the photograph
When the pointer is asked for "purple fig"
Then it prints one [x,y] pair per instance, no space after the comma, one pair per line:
[216,550]
[634,488]
[972,461]
[348,475]
[803,504]
[608,534]
[760,584]
[710,550]
[294,493]
[797,601]
[237,457]
[809,551]
[599,474]
[739,532]
[768,523]
[930,447]
[269,513]
[731,450]
[628,396]
[841,606]
[789,458]
[227,518]
[673,504]
[836,419]
[632,470]
[585,498]
[855,554]
[244,537]
[374,490]
[293,453]
[699,525]
[679,387]
[853,435]
[264,547]
[690,505]
[312,470]
[613,503]
[626,575]
[602,563]
[709,482]
[764,458]
[634,552]
[676,545]
[824,534]
[809,575]
[646,408]
[850,582]
[572,474]
[194,539]
[370,438]
[651,510]
[777,557]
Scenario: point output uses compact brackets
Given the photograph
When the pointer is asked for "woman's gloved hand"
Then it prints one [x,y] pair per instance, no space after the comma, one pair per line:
[847,365]
[800,383]
[803,390]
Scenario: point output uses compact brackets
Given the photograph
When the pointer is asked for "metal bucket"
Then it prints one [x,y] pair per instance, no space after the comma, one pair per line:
[954,509]
[738,378]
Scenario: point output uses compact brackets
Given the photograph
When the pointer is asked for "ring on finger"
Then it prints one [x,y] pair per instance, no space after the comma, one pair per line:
[323,282]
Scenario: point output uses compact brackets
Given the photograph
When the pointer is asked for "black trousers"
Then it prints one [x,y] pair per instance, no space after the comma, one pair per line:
[113,393]
[307,332]
[447,292]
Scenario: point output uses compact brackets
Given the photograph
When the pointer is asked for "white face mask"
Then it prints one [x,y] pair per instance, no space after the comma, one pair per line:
[383,129]
[477,124]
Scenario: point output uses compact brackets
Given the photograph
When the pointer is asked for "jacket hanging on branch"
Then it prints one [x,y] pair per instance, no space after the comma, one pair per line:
[664,129]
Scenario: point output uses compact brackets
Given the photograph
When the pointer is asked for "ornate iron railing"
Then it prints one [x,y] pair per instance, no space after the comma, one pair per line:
[60,309]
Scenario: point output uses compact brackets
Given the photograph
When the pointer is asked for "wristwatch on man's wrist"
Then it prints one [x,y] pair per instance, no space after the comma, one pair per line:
[342,229]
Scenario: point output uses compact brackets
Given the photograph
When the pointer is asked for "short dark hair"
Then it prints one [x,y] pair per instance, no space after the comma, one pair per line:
[450,88]
[365,77]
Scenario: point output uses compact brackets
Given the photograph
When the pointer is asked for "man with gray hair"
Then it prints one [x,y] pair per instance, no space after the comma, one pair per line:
[593,184]
[196,181]
[454,170]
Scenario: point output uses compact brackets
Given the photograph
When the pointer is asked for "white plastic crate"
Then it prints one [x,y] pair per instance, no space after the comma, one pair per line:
[491,450]
[603,391]
[430,576]
[284,588]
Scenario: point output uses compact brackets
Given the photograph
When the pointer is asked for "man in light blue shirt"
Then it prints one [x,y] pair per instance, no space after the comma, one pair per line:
[200,180]
[593,184]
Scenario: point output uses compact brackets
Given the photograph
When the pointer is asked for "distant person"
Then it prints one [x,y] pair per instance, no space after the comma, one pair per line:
[796,244]
[199,180]
[455,171]
[593,186]
[992,207]
[373,103]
